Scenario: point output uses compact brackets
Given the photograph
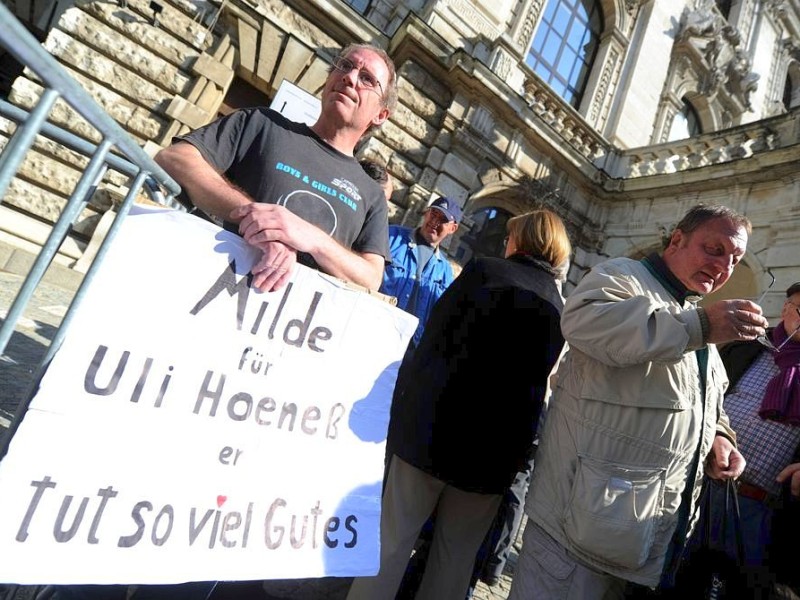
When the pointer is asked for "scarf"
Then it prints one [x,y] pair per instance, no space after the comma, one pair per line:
[536,259]
[782,397]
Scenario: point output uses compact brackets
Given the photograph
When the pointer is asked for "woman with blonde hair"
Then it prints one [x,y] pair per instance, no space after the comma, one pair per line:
[466,407]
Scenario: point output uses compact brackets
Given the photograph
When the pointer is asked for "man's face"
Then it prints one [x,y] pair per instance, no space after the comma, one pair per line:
[436,227]
[347,101]
[789,316]
[703,260]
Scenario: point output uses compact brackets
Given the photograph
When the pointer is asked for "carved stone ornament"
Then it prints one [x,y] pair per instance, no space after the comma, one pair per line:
[604,84]
[701,22]
[482,121]
[711,83]
[473,17]
[632,5]
[791,50]
[526,31]
[741,81]
[726,67]
[502,63]
[776,7]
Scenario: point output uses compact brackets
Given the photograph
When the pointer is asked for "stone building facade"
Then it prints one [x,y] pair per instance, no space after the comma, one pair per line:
[619,114]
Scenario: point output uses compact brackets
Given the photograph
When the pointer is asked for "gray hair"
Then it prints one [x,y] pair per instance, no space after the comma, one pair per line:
[702,213]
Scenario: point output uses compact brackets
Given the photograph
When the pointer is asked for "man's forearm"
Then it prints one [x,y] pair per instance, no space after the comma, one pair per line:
[259,223]
[208,190]
[364,269]
[724,426]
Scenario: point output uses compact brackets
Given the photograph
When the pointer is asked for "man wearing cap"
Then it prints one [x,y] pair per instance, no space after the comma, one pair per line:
[763,405]
[419,274]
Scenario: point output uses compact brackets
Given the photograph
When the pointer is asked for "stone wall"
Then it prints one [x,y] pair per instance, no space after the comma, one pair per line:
[133,68]
[471,122]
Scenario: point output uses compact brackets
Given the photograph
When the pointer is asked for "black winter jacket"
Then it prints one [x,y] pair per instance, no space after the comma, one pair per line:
[467,402]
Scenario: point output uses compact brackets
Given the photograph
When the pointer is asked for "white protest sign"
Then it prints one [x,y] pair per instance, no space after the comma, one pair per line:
[192,428]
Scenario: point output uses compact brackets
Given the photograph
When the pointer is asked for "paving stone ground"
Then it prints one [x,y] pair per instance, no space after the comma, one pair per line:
[30,339]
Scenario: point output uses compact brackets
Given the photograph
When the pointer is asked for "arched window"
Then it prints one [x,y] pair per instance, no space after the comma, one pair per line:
[686,123]
[791,89]
[565,46]
[487,236]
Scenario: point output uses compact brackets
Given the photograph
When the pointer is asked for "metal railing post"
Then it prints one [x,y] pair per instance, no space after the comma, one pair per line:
[22,140]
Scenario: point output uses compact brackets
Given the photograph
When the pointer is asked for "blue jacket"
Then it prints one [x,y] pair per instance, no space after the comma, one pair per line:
[400,277]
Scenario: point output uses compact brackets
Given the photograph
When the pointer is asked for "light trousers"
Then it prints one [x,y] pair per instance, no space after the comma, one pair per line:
[462,520]
[545,570]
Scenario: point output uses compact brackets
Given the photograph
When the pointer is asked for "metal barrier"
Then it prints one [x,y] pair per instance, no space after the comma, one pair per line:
[144,175]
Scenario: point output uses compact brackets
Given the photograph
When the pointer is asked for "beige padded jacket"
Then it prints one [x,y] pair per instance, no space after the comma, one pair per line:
[625,423]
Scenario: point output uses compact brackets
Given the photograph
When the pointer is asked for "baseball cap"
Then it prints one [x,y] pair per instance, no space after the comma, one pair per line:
[449,207]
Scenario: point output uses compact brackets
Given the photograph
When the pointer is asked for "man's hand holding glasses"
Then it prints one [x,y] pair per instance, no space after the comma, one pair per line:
[731,320]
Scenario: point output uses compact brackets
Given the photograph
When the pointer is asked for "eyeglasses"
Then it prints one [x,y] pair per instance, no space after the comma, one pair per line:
[366,80]
[765,341]
[763,295]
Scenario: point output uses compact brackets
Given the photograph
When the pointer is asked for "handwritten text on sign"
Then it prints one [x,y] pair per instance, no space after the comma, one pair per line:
[192,428]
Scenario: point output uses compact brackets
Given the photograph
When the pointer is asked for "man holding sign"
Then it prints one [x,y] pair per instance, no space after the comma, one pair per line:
[296,192]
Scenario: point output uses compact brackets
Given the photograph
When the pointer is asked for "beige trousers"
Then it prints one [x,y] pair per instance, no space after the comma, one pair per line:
[462,520]
[546,570]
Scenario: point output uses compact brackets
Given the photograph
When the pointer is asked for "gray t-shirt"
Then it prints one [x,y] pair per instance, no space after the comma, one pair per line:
[282,162]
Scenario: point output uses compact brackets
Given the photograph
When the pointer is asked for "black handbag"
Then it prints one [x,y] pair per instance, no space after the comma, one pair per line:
[709,572]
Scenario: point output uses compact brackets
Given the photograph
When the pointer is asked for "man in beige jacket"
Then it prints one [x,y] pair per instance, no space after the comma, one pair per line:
[636,416]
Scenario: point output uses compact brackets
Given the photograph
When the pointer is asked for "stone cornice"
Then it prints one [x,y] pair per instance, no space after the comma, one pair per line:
[414,40]
[547,122]
[755,146]
[339,20]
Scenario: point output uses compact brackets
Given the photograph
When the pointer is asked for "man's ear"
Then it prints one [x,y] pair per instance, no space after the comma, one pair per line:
[455,228]
[381,117]
[675,239]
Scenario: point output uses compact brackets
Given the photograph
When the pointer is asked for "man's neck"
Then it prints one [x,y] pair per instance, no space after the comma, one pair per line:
[421,240]
[660,268]
[342,139]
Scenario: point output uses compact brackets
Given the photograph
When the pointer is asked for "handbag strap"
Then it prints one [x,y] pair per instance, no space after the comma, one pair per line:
[730,510]
[706,510]
[737,521]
